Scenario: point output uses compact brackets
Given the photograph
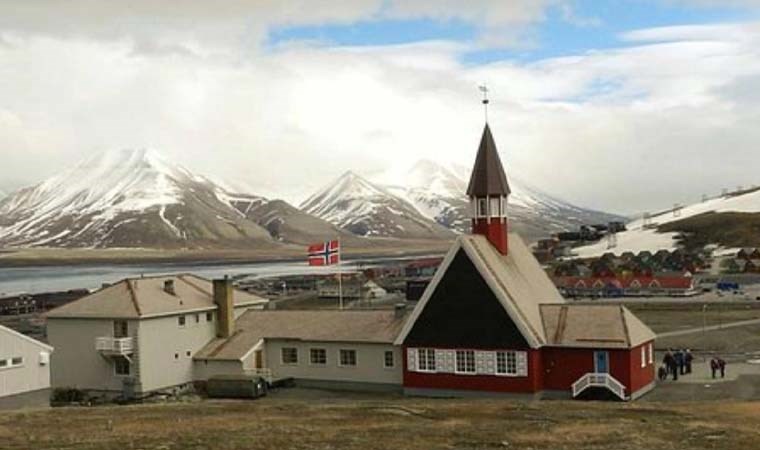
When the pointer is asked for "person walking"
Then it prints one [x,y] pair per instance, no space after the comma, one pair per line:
[687,359]
[722,367]
[670,362]
[678,355]
[713,366]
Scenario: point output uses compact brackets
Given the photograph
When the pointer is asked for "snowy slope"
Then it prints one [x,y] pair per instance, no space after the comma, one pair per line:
[438,192]
[126,198]
[638,237]
[363,208]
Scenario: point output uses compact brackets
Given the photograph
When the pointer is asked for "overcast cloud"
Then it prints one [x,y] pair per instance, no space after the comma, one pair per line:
[667,115]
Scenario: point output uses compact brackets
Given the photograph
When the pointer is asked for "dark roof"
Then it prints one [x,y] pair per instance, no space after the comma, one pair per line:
[488,177]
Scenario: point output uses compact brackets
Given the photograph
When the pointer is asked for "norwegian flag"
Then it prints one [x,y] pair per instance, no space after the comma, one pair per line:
[324,254]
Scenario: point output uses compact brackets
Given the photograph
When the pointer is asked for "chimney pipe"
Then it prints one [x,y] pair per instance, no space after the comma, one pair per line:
[169,287]
[399,309]
[225,318]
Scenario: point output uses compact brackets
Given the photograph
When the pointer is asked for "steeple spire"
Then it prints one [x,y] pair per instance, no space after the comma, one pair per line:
[488,191]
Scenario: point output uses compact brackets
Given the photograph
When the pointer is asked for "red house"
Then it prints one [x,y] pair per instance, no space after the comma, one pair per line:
[492,322]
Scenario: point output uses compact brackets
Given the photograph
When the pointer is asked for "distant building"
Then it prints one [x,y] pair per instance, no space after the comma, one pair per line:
[665,284]
[139,335]
[24,370]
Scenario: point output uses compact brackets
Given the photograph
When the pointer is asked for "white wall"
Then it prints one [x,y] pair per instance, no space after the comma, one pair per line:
[30,375]
[369,368]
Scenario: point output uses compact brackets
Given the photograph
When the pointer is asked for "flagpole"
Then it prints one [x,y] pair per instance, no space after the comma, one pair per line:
[340,276]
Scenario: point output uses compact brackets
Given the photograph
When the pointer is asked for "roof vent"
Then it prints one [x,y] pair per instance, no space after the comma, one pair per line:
[169,287]
[399,309]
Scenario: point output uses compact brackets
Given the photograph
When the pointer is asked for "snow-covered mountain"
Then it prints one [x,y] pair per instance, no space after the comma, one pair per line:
[127,198]
[712,219]
[438,192]
[366,209]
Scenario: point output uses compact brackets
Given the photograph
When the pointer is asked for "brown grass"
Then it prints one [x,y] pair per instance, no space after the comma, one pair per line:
[387,423]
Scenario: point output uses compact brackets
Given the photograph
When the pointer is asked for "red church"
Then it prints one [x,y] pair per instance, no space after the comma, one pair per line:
[492,322]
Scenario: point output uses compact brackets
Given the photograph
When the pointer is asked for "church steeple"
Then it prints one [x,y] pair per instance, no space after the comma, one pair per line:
[488,191]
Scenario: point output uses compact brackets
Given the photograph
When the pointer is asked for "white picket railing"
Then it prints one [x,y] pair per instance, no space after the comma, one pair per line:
[604,380]
[115,346]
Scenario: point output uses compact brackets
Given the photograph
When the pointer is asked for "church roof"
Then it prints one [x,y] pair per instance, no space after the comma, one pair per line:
[516,279]
[488,177]
[596,326]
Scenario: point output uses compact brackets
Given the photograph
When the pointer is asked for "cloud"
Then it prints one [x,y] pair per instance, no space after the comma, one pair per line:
[662,119]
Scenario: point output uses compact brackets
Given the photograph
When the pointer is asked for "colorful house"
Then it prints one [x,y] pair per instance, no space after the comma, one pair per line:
[492,322]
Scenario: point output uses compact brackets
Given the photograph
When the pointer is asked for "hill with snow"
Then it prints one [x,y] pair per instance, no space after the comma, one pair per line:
[355,204]
[438,192]
[729,220]
[127,198]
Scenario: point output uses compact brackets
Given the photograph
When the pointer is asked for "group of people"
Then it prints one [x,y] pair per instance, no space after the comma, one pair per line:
[717,364]
[676,362]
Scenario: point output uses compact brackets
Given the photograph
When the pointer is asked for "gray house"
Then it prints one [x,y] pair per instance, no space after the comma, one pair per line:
[140,335]
[24,370]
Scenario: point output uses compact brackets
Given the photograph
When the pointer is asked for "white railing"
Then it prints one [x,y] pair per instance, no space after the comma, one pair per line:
[266,374]
[116,346]
[604,380]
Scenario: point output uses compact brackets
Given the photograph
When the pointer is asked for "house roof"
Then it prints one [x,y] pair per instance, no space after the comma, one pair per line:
[597,326]
[357,326]
[134,298]
[517,280]
[26,338]
[488,177]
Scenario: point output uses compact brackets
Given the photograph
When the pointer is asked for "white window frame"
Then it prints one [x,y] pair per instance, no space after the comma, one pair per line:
[507,356]
[643,356]
[182,321]
[651,353]
[494,206]
[6,362]
[464,362]
[282,356]
[311,356]
[349,351]
[385,359]
[481,211]
[427,355]
[209,316]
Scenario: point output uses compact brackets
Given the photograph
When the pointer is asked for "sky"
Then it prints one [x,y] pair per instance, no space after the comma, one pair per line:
[624,106]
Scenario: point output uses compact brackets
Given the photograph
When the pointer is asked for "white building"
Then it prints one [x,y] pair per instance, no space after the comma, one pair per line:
[140,335]
[24,370]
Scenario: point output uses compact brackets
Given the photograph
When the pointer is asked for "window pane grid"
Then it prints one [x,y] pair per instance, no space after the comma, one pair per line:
[465,361]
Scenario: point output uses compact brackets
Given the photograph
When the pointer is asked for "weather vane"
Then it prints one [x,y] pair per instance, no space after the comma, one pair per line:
[484,89]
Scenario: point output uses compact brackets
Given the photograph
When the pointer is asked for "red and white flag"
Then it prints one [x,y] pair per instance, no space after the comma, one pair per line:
[324,254]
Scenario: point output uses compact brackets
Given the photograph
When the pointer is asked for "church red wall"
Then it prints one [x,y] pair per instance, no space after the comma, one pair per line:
[495,230]
[640,376]
[564,366]
[488,383]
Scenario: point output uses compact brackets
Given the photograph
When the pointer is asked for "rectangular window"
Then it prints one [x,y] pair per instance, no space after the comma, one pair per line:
[3,363]
[120,329]
[465,361]
[388,360]
[426,359]
[318,356]
[17,361]
[643,356]
[506,363]
[209,317]
[289,355]
[482,207]
[347,357]
[121,366]
[181,321]
[494,211]
[197,318]
[651,354]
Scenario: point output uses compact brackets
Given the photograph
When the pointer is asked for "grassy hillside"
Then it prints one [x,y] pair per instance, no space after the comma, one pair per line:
[729,229]
[365,422]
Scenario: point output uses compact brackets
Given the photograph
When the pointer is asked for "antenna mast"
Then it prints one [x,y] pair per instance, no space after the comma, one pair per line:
[484,89]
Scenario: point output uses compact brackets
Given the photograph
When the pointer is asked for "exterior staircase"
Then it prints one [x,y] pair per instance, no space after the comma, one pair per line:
[599,380]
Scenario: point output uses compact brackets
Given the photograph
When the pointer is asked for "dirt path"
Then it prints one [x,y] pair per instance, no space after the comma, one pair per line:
[741,323]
